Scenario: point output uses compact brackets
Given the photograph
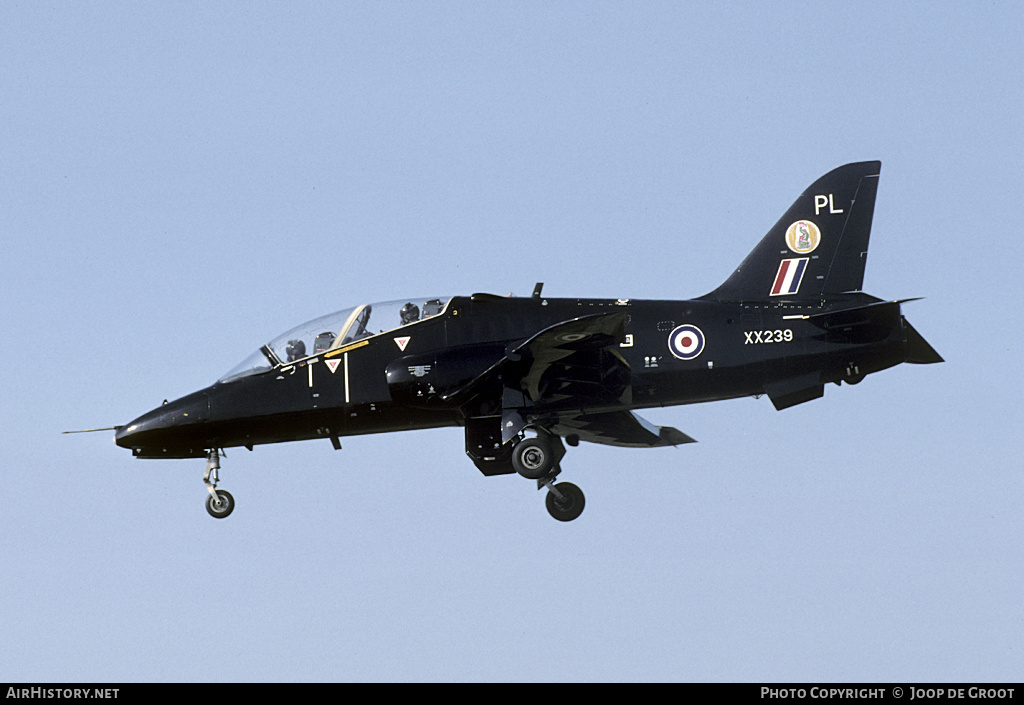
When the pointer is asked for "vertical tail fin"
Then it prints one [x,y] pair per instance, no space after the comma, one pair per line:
[818,247]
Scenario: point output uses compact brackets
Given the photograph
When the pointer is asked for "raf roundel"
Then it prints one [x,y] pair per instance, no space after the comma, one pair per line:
[686,342]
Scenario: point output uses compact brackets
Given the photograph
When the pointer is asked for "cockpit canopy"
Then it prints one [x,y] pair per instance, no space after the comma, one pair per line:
[336,330]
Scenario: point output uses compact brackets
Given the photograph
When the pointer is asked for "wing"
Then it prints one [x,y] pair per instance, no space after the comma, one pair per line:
[534,368]
[619,428]
[575,360]
[563,371]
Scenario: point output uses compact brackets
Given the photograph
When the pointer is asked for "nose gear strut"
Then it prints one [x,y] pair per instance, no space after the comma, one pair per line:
[220,503]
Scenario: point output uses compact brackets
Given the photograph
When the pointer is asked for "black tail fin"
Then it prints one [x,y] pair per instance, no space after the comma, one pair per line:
[818,247]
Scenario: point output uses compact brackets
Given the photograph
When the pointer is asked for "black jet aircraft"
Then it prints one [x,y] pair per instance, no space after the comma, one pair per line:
[522,375]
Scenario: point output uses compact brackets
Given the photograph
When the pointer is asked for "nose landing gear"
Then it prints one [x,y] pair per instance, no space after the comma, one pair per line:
[220,503]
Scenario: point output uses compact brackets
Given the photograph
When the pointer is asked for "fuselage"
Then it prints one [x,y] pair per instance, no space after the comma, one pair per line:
[676,352]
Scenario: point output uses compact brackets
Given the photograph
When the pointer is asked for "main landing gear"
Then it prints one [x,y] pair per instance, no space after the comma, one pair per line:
[220,503]
[537,459]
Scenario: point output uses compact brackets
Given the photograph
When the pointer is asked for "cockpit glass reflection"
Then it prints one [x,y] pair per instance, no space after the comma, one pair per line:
[336,330]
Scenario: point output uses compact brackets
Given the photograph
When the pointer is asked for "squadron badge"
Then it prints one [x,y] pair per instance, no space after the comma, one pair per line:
[803,236]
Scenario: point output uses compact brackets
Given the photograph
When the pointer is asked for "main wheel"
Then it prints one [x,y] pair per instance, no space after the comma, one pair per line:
[568,508]
[224,505]
[533,458]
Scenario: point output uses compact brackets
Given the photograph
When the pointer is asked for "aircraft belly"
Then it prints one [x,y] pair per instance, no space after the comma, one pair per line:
[384,418]
[670,387]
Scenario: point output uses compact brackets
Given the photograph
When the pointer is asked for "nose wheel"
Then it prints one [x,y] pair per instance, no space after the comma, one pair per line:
[220,503]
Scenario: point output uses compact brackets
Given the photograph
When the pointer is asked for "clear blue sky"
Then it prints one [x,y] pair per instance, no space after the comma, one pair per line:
[181,182]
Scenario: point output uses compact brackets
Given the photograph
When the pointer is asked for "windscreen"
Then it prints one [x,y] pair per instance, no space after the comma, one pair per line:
[336,330]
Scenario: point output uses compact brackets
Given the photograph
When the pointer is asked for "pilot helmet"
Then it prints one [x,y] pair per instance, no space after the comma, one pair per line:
[410,313]
[296,349]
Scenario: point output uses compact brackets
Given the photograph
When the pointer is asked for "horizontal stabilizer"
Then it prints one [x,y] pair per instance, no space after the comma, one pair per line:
[872,323]
[860,325]
[919,352]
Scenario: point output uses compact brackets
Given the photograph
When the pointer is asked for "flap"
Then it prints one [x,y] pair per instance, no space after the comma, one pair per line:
[619,428]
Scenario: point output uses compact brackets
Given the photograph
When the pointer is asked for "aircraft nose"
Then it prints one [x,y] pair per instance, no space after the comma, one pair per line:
[128,434]
[170,425]
[123,435]
[146,429]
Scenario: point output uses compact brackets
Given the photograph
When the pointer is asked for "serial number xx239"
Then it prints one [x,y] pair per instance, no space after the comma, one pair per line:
[753,337]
